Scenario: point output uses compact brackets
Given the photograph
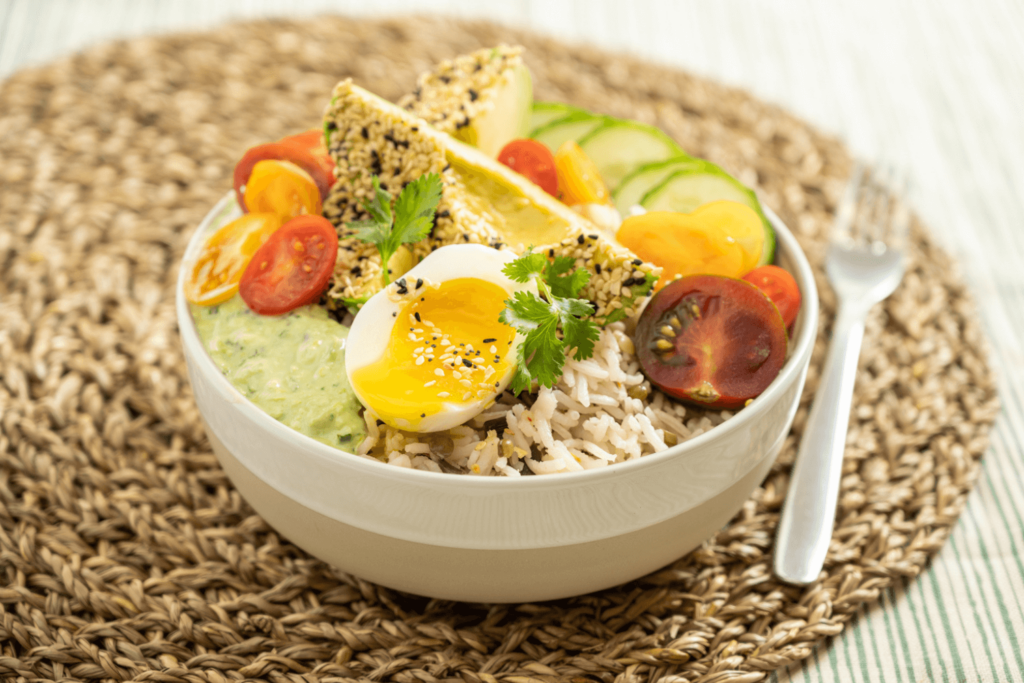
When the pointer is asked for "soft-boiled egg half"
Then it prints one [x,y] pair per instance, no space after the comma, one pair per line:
[428,352]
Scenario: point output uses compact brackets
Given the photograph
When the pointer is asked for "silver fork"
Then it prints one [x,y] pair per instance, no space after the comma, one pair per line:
[864,264]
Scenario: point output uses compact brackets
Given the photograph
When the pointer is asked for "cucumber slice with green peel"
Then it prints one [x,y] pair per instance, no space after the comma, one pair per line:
[642,180]
[544,113]
[618,147]
[571,127]
[687,190]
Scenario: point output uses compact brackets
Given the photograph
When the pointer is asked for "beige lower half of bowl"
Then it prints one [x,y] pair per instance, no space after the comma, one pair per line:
[521,575]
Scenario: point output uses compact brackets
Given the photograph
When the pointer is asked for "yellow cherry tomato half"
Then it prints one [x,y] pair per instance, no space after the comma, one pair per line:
[719,238]
[225,255]
[282,188]
[578,178]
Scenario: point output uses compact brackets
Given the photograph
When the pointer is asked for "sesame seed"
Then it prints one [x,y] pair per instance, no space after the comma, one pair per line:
[490,339]
[493,349]
[457,375]
[466,383]
[467,363]
[420,360]
[466,396]
[417,316]
[443,394]
[439,372]
[430,383]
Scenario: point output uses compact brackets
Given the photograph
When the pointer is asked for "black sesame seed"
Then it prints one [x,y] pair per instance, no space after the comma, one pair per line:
[472,95]
[597,267]
[551,253]
[580,239]
[637,262]
[467,363]
[366,133]
[356,271]
[419,282]
[402,287]
[444,79]
[417,316]
[380,423]
[415,129]
[443,213]
[593,237]
[490,340]
[423,414]
[331,125]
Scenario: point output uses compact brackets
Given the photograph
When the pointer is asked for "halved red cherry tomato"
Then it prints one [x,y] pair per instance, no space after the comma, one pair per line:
[313,142]
[293,267]
[227,252]
[711,340]
[780,287]
[533,160]
[276,150]
[282,188]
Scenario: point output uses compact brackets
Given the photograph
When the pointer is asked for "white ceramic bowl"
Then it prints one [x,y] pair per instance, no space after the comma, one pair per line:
[494,539]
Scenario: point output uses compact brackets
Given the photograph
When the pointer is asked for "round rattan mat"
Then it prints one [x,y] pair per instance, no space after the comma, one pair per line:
[126,553]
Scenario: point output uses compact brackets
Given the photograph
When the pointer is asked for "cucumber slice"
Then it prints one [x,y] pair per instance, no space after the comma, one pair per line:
[618,147]
[547,112]
[638,183]
[571,127]
[686,190]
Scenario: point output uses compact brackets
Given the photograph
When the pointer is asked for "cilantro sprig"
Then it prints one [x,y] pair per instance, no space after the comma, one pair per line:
[541,356]
[410,221]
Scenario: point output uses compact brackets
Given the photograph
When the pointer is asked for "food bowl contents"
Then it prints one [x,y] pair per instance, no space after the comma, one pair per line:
[531,288]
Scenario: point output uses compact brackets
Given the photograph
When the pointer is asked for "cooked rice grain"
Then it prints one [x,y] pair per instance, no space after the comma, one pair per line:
[586,421]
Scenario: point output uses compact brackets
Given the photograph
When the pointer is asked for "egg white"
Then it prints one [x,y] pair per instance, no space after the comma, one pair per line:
[373,327]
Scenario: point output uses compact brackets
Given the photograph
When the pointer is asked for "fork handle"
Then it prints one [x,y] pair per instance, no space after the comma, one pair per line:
[805,527]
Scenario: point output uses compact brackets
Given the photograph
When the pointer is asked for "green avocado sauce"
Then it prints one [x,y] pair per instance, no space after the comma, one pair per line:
[292,366]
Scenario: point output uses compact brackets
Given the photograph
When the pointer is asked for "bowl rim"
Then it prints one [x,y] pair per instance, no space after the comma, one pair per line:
[807,324]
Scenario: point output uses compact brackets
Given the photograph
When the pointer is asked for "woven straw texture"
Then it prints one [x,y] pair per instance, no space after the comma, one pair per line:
[126,553]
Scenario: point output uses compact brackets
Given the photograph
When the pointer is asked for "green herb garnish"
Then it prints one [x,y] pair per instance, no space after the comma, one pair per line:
[411,220]
[541,356]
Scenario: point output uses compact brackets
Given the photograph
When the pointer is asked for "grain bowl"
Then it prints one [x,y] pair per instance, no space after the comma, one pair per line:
[494,539]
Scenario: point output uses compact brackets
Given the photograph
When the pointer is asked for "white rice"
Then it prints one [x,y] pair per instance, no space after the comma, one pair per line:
[587,420]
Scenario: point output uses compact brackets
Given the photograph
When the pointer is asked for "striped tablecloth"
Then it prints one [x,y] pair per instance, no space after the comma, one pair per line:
[937,87]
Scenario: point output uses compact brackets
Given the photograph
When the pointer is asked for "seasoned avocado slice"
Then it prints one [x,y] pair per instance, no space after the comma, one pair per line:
[482,202]
[483,98]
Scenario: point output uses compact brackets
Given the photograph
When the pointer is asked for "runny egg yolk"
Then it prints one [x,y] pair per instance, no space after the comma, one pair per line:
[446,347]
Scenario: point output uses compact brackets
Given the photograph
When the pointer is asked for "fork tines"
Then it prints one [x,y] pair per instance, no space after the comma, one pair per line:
[872,211]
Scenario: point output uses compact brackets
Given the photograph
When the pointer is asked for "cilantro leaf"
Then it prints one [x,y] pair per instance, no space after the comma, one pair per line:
[580,335]
[524,312]
[380,207]
[526,267]
[410,222]
[369,231]
[563,280]
[415,207]
[541,355]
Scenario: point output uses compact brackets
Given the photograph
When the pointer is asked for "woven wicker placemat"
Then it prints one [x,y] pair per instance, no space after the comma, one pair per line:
[127,554]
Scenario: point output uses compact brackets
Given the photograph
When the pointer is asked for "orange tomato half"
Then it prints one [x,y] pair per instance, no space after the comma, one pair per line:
[719,238]
[281,188]
[225,255]
[578,178]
